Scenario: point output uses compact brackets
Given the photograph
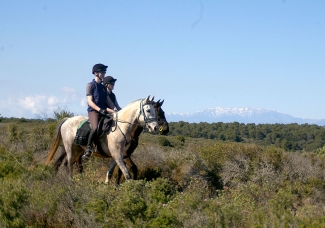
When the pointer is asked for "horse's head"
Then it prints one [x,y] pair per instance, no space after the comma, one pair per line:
[160,115]
[147,116]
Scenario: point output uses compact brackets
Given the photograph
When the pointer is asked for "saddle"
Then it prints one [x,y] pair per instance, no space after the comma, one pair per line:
[84,129]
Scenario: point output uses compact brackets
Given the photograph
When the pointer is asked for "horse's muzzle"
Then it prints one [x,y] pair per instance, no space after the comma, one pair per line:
[152,127]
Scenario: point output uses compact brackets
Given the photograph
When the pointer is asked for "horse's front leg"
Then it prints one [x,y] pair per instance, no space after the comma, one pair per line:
[116,148]
[133,167]
[119,160]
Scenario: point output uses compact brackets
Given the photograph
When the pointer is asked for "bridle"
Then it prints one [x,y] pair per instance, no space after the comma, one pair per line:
[161,121]
[146,119]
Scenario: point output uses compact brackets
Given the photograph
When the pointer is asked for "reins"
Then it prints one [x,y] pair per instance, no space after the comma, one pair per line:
[146,121]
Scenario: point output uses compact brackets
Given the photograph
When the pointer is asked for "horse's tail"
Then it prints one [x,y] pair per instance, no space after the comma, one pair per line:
[56,141]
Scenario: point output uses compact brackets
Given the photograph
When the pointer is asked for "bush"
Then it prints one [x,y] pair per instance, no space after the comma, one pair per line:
[62,113]
[13,197]
[181,138]
[162,141]
[11,165]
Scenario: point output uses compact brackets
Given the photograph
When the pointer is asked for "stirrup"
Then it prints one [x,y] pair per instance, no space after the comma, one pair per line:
[88,153]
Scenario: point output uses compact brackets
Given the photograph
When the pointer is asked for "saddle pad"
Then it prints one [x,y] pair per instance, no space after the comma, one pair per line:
[82,133]
[83,122]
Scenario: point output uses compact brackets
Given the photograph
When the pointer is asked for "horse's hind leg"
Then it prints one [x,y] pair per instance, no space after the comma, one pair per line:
[70,162]
[118,178]
[59,161]
[70,168]
[110,171]
[79,163]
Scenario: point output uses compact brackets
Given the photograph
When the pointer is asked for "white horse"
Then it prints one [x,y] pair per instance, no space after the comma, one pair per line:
[114,142]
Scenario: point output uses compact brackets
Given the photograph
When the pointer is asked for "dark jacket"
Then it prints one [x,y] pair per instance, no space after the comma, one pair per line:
[99,94]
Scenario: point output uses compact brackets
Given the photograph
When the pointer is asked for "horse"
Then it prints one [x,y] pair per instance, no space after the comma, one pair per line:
[163,130]
[115,142]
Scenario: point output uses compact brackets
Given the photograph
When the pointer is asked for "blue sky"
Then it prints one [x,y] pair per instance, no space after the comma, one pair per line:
[193,54]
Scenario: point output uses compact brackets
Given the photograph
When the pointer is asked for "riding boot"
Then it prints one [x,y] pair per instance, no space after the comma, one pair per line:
[89,150]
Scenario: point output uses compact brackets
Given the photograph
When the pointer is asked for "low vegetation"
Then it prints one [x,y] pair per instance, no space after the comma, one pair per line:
[183,182]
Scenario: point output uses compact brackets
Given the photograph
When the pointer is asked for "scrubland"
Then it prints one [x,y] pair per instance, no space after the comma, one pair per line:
[183,182]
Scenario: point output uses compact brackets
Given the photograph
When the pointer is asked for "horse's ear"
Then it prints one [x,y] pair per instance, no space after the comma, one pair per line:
[158,102]
[161,103]
[147,99]
[152,99]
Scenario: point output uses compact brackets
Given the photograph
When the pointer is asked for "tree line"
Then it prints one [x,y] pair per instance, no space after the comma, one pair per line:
[290,137]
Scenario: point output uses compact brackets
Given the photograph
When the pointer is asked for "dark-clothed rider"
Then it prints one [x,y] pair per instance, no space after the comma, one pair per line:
[99,103]
[109,82]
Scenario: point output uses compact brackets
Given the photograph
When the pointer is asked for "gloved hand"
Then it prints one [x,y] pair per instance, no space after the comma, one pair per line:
[103,112]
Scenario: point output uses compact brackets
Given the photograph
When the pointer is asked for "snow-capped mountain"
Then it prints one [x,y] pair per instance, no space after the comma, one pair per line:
[241,115]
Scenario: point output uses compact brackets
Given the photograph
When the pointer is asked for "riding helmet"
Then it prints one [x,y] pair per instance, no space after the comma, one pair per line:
[108,80]
[99,67]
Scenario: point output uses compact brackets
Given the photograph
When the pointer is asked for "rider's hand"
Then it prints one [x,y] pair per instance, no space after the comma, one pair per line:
[103,112]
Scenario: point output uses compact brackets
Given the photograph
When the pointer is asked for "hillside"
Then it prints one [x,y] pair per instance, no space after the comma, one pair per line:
[183,182]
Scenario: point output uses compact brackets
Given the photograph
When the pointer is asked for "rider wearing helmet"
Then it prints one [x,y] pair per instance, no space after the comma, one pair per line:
[99,103]
[109,82]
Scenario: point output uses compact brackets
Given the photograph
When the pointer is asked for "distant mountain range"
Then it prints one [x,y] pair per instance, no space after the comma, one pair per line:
[241,115]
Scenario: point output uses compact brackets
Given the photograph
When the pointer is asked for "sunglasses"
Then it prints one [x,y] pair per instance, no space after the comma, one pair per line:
[103,72]
[112,83]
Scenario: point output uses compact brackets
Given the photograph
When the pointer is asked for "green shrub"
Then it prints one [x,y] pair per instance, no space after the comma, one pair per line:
[320,150]
[62,113]
[181,138]
[162,141]
[13,197]
[12,132]
[11,164]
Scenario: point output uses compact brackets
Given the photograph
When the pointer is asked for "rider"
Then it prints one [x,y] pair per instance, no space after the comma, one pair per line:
[109,82]
[99,103]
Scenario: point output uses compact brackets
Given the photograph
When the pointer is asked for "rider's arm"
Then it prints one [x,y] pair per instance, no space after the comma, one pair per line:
[118,108]
[91,103]
[89,92]
[90,100]
[110,105]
